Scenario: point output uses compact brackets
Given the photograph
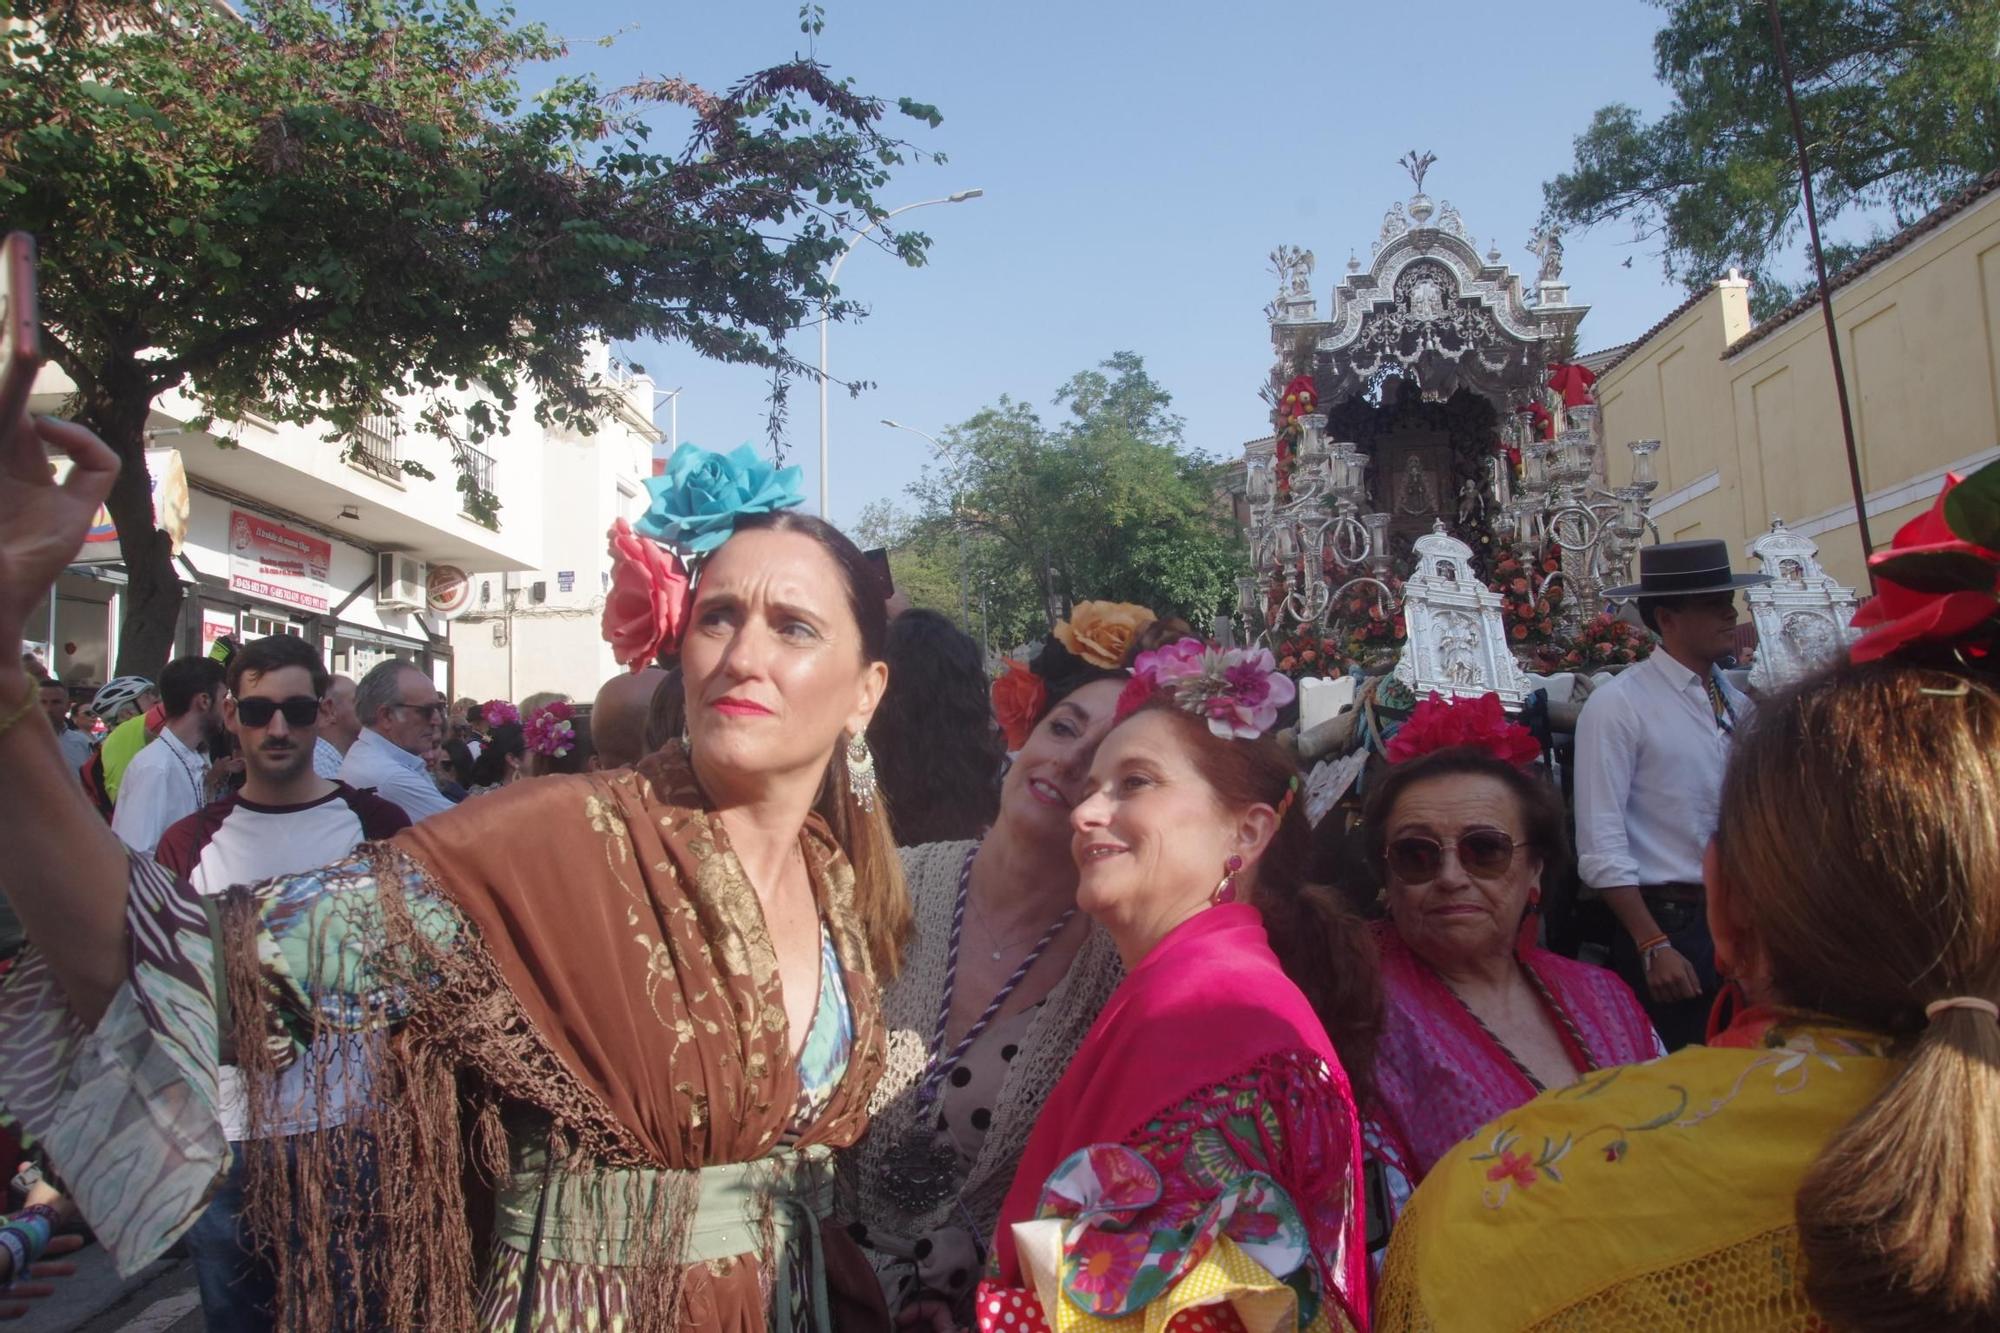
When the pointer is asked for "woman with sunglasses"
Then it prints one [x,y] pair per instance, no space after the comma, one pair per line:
[1476,1017]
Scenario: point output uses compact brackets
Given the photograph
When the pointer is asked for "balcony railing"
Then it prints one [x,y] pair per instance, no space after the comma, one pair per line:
[479,466]
[376,447]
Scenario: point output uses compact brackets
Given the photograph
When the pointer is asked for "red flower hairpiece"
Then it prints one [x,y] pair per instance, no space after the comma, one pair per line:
[646,607]
[1019,699]
[1937,581]
[1441,724]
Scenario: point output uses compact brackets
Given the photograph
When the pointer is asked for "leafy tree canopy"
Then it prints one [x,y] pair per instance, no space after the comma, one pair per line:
[313,207]
[1105,504]
[1901,104]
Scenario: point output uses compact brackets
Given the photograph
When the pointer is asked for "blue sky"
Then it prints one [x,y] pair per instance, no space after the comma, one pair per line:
[1139,163]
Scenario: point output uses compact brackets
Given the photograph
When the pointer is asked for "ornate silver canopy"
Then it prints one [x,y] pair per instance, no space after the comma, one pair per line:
[1429,306]
[1801,615]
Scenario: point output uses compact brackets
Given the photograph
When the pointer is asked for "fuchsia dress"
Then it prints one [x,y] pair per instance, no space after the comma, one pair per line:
[1440,1075]
[1206,1105]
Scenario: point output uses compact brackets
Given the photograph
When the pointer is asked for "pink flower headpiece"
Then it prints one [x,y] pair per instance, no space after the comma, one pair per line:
[498,713]
[646,607]
[549,730]
[1237,690]
[1481,724]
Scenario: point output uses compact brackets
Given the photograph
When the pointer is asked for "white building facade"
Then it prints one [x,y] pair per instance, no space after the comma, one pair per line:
[281,530]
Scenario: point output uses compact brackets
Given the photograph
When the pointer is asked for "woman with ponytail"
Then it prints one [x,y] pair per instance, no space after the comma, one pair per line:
[626,1016]
[1200,1159]
[1832,1158]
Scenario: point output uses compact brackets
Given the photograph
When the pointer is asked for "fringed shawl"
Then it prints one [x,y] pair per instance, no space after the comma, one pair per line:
[585,949]
[1439,1075]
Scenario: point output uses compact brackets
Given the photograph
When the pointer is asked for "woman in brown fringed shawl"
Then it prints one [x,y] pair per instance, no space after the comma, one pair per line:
[637,1009]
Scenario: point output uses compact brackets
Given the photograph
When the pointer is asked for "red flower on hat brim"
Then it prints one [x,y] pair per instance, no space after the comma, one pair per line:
[1931,585]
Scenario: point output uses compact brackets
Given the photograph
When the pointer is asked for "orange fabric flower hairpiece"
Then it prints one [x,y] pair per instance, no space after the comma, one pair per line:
[1019,699]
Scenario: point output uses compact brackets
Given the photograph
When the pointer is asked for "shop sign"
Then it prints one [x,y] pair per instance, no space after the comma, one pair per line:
[447,591]
[269,560]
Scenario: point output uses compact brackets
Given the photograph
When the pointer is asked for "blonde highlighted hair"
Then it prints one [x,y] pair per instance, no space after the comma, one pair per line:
[1860,838]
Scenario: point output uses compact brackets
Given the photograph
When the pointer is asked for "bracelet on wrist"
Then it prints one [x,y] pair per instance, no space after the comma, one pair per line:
[11,717]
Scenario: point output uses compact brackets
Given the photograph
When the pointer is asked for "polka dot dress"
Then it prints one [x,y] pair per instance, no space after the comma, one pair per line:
[972,1090]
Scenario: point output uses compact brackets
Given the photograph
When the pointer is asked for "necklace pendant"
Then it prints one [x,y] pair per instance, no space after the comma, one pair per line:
[996,955]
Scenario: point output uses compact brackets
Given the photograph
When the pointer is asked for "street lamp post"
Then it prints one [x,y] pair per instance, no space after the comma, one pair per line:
[958,522]
[826,305]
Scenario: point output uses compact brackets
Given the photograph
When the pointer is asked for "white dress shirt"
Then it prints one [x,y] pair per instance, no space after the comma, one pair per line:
[397,775]
[1649,765]
[164,784]
[327,759]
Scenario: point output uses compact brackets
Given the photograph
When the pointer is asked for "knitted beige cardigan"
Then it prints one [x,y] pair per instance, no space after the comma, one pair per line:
[909,1011]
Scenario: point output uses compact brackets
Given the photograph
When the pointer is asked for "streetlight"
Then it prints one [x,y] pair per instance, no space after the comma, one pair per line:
[826,305]
[957,504]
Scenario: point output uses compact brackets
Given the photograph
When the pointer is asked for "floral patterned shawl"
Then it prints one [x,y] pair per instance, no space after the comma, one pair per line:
[1439,1075]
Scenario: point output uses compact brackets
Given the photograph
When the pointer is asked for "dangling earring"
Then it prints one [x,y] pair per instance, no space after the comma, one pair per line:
[861,772]
[1225,892]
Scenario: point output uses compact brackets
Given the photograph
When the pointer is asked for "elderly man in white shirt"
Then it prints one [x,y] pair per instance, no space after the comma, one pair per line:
[401,715]
[168,780]
[1651,748]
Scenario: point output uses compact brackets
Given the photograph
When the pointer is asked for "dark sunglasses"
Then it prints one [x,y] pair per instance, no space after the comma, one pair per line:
[432,711]
[301,710]
[1484,853]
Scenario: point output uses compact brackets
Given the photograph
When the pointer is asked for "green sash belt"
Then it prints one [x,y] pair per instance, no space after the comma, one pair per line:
[593,1217]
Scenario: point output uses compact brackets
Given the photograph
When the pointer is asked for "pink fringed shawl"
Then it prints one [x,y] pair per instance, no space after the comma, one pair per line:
[1438,1074]
[1207,1004]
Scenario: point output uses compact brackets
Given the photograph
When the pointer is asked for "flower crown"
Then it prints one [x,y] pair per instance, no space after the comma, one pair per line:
[695,505]
[549,730]
[1096,634]
[498,713]
[1480,724]
[1238,691]
[1938,584]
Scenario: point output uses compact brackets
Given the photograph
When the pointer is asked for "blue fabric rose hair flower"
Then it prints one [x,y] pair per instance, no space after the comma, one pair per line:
[697,502]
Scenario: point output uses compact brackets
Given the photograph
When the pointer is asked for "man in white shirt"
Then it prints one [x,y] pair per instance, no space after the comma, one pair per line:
[285,819]
[1651,749]
[168,780]
[402,716]
[338,728]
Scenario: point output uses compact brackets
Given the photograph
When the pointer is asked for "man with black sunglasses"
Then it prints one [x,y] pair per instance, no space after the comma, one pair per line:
[285,819]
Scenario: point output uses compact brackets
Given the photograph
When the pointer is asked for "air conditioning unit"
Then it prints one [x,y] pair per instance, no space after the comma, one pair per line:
[399,582]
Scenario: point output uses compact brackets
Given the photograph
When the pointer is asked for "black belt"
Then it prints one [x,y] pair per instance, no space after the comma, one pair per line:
[1675,893]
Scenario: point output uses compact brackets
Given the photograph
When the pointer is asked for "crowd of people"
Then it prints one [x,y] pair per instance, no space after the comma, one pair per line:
[800,982]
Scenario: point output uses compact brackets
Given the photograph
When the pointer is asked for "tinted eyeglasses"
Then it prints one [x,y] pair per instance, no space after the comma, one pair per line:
[1484,853]
[431,711]
[301,710]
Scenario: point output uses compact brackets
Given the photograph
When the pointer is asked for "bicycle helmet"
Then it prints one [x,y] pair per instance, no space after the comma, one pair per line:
[123,692]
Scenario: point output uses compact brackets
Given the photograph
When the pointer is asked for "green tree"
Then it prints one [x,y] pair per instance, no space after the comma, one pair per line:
[1900,99]
[924,563]
[1106,504]
[315,207]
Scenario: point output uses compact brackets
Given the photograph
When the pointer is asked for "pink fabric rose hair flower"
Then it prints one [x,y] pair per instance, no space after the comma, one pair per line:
[646,608]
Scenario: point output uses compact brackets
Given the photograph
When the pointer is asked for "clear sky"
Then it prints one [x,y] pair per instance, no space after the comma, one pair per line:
[1139,163]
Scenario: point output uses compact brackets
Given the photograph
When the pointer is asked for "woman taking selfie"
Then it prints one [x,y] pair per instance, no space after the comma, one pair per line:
[641,1004]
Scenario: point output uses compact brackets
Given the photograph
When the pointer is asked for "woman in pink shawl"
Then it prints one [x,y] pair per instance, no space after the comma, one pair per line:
[1477,1019]
[1201,1157]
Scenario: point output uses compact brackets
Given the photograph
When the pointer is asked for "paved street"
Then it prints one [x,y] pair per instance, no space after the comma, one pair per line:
[161,1299]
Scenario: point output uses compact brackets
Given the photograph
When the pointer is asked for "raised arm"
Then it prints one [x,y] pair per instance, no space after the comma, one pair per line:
[64,871]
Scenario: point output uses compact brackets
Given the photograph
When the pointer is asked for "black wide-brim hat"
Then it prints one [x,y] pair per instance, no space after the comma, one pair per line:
[1685,569]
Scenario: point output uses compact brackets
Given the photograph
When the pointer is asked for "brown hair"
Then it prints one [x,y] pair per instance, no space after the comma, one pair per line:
[1861,852]
[1324,948]
[1541,809]
[881,900]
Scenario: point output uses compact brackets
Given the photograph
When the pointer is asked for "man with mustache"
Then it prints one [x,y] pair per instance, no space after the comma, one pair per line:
[285,819]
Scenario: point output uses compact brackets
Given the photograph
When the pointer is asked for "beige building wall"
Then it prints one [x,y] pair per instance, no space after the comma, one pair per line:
[1752,426]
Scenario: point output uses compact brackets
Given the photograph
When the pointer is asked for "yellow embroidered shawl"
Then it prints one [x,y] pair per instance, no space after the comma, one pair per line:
[1645,1197]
